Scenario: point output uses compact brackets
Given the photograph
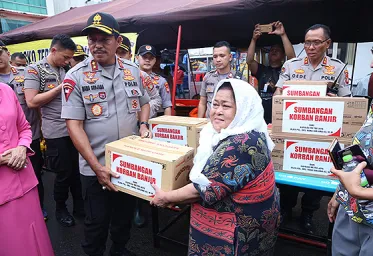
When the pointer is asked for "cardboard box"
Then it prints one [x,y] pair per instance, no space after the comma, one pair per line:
[294,88]
[305,156]
[177,129]
[142,162]
[199,129]
[321,117]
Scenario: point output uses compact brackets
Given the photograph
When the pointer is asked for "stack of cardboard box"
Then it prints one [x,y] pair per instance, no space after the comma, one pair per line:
[141,162]
[303,128]
[177,129]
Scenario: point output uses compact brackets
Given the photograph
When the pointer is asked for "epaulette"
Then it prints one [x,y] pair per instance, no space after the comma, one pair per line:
[127,62]
[14,70]
[78,66]
[295,59]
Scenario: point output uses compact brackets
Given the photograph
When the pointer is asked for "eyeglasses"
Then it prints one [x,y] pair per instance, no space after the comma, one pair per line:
[316,43]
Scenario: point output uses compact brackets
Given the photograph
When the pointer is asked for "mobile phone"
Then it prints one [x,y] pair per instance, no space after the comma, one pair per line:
[266,28]
[360,156]
[333,150]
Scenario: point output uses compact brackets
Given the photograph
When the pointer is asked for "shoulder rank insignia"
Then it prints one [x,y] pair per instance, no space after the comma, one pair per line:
[14,70]
[120,63]
[305,61]
[325,61]
[94,65]
[167,87]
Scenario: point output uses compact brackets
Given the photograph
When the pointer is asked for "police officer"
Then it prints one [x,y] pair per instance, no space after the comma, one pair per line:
[315,66]
[268,75]
[79,56]
[222,58]
[14,76]
[146,57]
[43,84]
[124,52]
[101,99]
[18,59]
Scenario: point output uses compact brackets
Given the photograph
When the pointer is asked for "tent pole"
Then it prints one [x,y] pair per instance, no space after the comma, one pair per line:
[175,70]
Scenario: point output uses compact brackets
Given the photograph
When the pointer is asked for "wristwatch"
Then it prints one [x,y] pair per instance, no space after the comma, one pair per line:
[146,123]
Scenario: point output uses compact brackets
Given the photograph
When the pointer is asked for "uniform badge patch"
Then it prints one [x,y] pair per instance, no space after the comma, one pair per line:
[299,71]
[19,79]
[167,87]
[91,97]
[282,70]
[51,86]
[147,82]
[102,95]
[32,71]
[68,87]
[96,110]
[128,75]
[148,47]
[329,70]
[134,104]
[134,92]
[90,77]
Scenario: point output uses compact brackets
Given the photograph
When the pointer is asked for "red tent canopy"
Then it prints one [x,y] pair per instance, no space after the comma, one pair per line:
[206,21]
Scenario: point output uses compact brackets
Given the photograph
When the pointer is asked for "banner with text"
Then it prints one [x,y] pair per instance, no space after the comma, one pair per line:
[37,50]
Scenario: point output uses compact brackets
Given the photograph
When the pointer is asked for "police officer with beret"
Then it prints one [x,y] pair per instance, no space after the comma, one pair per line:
[101,99]
[43,85]
[146,56]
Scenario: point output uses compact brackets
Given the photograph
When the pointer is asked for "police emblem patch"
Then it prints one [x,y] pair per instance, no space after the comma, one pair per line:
[91,97]
[102,95]
[147,82]
[19,79]
[68,87]
[128,75]
[96,110]
[51,86]
[134,92]
[148,47]
[90,77]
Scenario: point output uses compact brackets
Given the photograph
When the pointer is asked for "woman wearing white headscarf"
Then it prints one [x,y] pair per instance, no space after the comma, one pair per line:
[235,202]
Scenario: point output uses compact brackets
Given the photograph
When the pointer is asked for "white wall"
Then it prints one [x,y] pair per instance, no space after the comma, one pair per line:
[363,59]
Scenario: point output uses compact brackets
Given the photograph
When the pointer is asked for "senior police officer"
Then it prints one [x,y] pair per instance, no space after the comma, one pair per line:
[43,84]
[146,56]
[315,66]
[101,98]
[14,76]
[222,58]
[125,53]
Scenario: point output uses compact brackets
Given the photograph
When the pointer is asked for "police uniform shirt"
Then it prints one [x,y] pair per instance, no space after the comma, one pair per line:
[16,79]
[155,99]
[327,70]
[107,104]
[163,89]
[53,126]
[209,82]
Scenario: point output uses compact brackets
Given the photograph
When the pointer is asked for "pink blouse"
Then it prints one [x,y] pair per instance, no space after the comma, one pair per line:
[14,131]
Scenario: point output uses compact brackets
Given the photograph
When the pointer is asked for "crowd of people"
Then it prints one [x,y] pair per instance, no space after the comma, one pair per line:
[235,203]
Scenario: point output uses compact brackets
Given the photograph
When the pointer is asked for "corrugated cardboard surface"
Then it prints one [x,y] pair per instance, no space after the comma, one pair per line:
[176,163]
[190,122]
[278,151]
[355,111]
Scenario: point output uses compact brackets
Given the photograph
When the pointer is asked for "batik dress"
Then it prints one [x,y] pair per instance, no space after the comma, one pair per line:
[239,211]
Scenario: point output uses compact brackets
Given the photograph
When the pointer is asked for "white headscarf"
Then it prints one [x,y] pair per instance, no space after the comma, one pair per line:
[249,117]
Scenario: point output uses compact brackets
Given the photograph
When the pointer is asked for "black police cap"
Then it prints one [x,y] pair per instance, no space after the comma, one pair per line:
[104,22]
[126,44]
[144,49]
